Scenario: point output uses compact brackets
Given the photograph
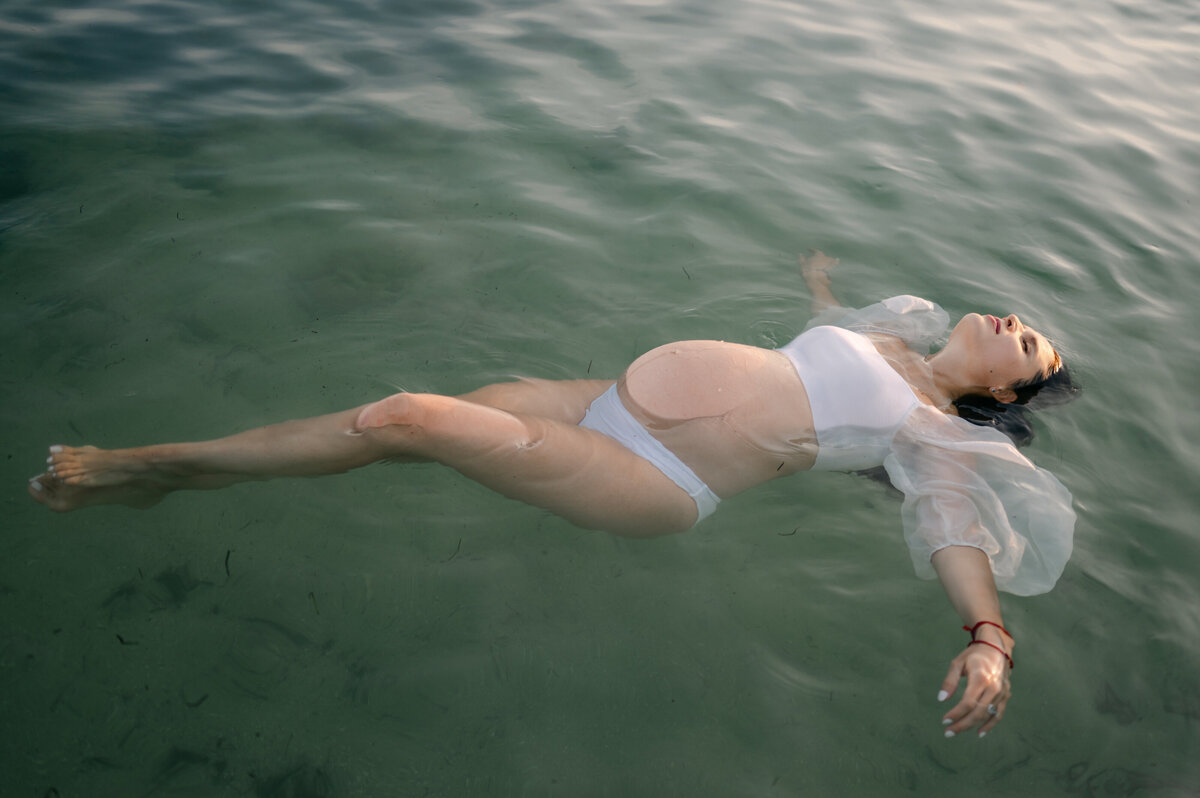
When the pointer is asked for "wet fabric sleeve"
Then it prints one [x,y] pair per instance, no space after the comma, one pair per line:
[966,485]
[918,322]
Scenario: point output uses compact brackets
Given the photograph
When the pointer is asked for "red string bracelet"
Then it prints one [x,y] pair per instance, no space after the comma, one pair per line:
[975,628]
[1011,664]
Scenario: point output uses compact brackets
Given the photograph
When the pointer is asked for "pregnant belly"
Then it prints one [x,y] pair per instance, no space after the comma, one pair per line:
[738,415]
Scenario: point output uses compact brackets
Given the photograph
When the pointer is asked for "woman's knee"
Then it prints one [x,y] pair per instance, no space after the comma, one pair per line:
[445,428]
[397,410]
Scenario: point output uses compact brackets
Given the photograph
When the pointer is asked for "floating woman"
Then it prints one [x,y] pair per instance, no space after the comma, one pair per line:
[691,423]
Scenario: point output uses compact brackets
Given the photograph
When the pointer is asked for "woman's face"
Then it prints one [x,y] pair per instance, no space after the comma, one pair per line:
[1003,352]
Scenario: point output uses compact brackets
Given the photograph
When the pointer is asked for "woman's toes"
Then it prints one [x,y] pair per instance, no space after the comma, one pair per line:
[42,491]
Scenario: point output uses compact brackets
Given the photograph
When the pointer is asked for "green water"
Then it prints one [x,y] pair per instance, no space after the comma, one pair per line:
[214,216]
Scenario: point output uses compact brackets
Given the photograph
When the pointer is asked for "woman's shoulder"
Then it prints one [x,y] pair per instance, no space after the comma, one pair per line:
[910,365]
[915,321]
[908,303]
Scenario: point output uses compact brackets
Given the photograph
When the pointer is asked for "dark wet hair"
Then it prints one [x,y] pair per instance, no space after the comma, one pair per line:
[1014,418]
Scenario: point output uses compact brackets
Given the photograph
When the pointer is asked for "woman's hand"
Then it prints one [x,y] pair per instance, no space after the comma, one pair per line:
[988,687]
[815,267]
[967,576]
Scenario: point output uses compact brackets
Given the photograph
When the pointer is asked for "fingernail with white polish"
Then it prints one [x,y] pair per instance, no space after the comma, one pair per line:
[949,733]
[56,448]
[946,721]
[33,483]
[942,696]
[49,460]
[982,735]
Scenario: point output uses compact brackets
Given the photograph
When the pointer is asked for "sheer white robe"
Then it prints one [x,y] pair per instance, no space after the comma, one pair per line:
[966,485]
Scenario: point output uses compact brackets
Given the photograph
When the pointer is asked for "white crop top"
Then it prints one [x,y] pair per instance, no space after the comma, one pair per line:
[963,485]
[858,401]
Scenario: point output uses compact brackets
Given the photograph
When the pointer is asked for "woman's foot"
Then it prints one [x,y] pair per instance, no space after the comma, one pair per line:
[84,476]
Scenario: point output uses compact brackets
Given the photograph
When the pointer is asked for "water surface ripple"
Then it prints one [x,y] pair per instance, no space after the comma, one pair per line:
[220,215]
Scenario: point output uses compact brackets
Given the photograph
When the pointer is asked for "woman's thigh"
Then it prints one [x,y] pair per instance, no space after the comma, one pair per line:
[577,473]
[559,400]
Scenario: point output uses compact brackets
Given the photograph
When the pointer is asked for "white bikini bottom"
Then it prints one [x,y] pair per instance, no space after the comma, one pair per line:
[608,415]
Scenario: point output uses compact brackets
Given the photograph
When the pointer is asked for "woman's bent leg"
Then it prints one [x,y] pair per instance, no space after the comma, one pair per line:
[560,400]
[576,473]
[307,447]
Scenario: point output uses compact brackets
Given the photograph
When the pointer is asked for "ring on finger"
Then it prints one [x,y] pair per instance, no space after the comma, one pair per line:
[991,710]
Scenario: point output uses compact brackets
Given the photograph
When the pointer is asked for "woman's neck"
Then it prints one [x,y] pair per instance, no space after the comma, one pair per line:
[950,377]
[918,372]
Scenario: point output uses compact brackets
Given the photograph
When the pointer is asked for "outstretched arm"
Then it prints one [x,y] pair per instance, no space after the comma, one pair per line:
[815,266]
[966,575]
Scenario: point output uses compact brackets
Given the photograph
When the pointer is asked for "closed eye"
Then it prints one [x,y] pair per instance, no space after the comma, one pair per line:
[1025,345]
